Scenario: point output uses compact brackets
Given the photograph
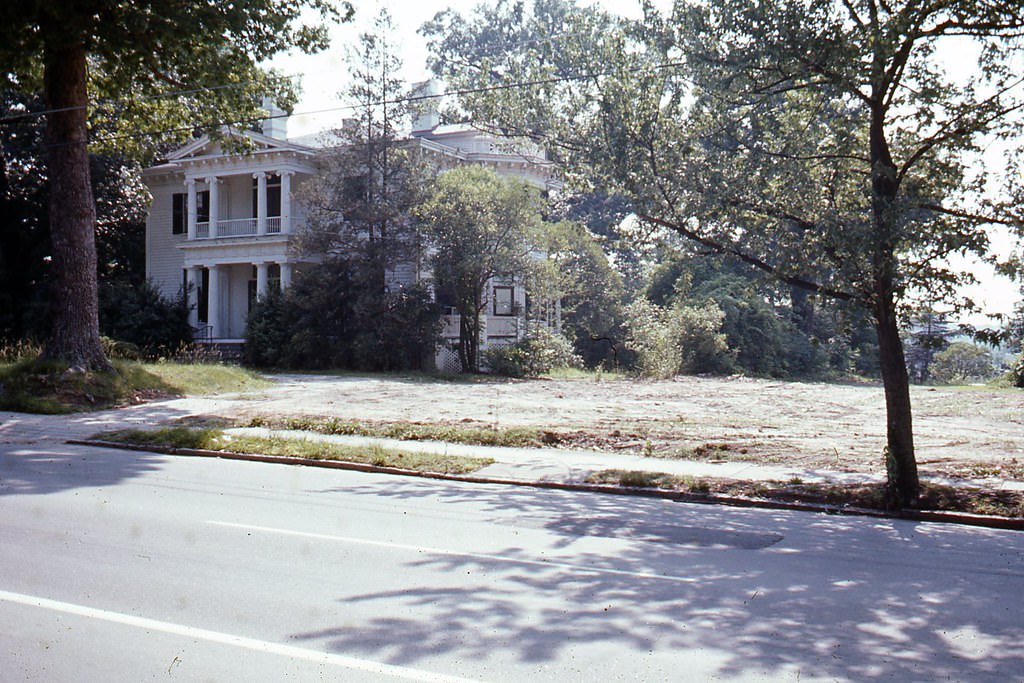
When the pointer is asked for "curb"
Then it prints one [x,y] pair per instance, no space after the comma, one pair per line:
[963,518]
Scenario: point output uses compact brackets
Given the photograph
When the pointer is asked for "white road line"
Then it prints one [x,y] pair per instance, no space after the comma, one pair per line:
[232,640]
[457,553]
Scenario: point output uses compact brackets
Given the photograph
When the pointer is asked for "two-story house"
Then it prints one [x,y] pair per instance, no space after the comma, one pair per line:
[222,222]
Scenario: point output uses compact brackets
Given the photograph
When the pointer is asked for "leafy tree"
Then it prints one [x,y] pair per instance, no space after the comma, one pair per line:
[77,53]
[962,362]
[589,292]
[820,142]
[480,226]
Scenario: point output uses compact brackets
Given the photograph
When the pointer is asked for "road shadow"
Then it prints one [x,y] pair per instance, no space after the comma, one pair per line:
[40,471]
[697,592]
[35,457]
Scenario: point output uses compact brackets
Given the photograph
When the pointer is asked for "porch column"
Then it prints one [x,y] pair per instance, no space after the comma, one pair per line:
[261,202]
[191,292]
[286,201]
[286,276]
[213,302]
[190,207]
[214,182]
[262,269]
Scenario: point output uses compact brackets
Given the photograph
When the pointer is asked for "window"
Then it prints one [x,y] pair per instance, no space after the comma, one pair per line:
[203,206]
[504,298]
[178,213]
[202,303]
[273,196]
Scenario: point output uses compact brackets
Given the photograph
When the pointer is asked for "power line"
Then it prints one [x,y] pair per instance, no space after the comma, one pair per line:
[408,99]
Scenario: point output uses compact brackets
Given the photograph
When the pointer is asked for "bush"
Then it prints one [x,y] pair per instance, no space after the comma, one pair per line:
[541,352]
[678,340]
[334,317]
[139,316]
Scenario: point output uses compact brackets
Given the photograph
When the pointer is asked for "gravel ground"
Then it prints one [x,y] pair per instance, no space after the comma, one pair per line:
[973,431]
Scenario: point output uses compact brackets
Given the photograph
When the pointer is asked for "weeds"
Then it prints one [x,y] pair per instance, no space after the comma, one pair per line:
[869,496]
[217,440]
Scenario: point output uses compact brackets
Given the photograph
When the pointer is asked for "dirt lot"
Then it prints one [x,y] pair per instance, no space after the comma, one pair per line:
[969,431]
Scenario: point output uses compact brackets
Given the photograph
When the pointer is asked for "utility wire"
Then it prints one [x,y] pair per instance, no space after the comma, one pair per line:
[408,99]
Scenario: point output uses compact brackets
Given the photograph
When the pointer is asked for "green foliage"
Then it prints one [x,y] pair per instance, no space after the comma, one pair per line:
[678,340]
[333,317]
[1017,372]
[481,226]
[139,316]
[962,362]
[539,353]
[577,273]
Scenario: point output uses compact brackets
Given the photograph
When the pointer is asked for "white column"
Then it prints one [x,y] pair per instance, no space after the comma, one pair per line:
[192,289]
[262,270]
[286,276]
[190,186]
[286,201]
[214,182]
[261,202]
[213,303]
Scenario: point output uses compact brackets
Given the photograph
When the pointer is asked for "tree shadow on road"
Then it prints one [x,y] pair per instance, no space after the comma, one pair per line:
[696,592]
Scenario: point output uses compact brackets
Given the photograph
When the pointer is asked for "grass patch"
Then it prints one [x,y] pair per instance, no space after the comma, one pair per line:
[217,440]
[871,496]
[49,387]
[519,437]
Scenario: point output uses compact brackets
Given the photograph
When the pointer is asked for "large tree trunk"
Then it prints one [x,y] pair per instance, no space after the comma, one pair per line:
[901,464]
[74,337]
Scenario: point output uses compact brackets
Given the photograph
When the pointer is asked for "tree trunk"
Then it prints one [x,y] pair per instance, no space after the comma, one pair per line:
[901,464]
[74,337]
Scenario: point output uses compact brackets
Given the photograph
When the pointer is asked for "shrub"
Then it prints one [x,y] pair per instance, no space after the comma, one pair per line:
[334,316]
[140,316]
[541,352]
[678,340]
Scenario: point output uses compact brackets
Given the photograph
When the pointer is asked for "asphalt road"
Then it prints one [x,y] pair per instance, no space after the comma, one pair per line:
[122,566]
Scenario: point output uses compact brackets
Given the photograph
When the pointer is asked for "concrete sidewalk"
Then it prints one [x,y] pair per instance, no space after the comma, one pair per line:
[518,464]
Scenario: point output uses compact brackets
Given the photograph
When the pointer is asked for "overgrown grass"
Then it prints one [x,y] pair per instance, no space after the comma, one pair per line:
[521,437]
[35,386]
[597,375]
[871,496]
[217,440]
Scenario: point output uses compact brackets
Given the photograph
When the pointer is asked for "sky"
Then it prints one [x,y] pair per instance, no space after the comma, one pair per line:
[324,76]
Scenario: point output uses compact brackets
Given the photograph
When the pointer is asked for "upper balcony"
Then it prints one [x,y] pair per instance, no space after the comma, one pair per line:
[237,205]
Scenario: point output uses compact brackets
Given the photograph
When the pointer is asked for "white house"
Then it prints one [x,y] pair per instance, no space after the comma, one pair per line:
[222,222]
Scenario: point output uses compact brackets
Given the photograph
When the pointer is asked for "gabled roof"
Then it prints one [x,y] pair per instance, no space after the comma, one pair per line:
[197,147]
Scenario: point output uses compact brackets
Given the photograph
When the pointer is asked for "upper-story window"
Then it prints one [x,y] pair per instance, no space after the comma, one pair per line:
[179,210]
[179,213]
[504,300]
[273,195]
[203,206]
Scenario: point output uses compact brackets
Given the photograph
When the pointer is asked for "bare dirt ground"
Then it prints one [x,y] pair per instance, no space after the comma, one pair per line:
[968,431]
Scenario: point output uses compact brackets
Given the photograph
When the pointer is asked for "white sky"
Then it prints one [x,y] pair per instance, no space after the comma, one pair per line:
[324,76]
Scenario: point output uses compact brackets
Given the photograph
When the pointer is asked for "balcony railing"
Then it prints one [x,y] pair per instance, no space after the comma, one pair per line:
[235,227]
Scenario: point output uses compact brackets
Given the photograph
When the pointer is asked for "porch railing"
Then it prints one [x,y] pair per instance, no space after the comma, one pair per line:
[234,227]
